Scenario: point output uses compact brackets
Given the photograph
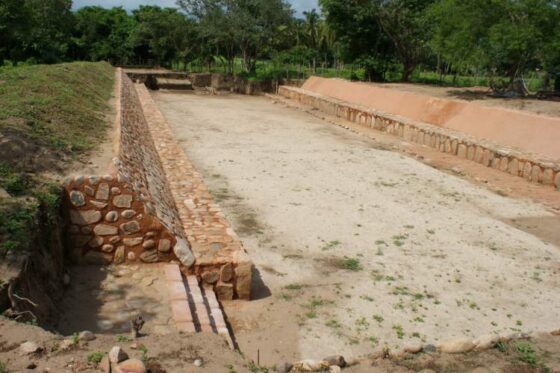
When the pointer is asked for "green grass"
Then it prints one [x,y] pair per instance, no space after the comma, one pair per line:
[95,357]
[350,264]
[60,106]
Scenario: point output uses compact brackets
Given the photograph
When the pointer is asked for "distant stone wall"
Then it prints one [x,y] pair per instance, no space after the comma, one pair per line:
[445,140]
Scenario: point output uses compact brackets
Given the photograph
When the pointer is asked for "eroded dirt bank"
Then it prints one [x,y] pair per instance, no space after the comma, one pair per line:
[359,246]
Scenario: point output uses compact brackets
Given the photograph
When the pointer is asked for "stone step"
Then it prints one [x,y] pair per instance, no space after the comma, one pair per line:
[194,309]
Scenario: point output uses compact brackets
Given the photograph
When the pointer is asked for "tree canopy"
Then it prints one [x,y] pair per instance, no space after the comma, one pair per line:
[494,38]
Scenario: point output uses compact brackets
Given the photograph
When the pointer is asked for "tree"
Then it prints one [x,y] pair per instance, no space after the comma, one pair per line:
[244,26]
[360,35]
[500,37]
[14,28]
[405,24]
[103,34]
[50,29]
[162,33]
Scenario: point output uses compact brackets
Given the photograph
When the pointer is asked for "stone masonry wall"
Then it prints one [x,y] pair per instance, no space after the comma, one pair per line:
[221,260]
[110,223]
[478,150]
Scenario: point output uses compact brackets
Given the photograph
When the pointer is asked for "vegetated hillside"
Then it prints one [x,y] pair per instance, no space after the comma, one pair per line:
[49,114]
[54,111]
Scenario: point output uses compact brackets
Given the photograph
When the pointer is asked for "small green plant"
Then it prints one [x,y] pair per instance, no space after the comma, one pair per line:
[332,323]
[230,368]
[501,346]
[331,245]
[293,287]
[95,357]
[399,330]
[351,264]
[3,368]
[378,318]
[123,338]
[75,338]
[144,350]
[526,353]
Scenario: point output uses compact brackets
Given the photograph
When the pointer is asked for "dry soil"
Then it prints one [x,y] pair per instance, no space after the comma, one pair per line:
[357,245]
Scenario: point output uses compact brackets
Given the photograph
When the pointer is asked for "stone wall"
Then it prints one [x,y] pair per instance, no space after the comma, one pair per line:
[110,223]
[154,207]
[445,140]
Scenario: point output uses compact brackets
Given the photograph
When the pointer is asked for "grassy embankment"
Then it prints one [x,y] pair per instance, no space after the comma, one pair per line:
[59,109]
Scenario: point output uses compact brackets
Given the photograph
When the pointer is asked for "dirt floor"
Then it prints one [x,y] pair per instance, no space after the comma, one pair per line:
[357,245]
[482,96]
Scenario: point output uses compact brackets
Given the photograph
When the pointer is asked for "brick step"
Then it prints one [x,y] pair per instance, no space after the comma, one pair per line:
[194,309]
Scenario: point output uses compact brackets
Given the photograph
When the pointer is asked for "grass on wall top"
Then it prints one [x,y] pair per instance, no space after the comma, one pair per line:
[60,106]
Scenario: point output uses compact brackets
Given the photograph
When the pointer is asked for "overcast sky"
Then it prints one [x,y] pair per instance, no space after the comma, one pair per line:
[299,5]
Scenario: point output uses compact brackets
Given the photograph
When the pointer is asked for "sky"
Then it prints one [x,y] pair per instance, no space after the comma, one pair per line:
[298,5]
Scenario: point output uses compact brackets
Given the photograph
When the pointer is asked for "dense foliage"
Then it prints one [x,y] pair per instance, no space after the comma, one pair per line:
[386,38]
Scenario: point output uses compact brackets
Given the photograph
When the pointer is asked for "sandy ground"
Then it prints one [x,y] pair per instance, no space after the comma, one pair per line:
[105,300]
[358,246]
[481,95]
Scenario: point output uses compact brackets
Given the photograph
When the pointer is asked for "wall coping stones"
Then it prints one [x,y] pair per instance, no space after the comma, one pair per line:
[511,160]
[160,170]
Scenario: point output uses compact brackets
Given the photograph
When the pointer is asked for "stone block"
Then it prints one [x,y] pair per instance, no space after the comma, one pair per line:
[77,198]
[105,230]
[132,241]
[112,216]
[536,174]
[123,201]
[119,255]
[102,192]
[85,217]
[164,246]
[462,151]
[224,291]
[131,227]
[548,177]
[527,170]
[226,272]
[513,167]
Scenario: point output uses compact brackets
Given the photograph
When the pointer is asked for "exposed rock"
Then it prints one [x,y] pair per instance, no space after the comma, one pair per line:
[224,291]
[429,348]
[115,239]
[119,255]
[115,190]
[131,366]
[95,242]
[123,201]
[131,227]
[84,217]
[117,355]
[105,230]
[77,198]
[243,279]
[149,244]
[128,214]
[151,234]
[131,256]
[284,367]
[89,191]
[183,253]
[197,362]
[99,205]
[112,216]
[226,272]
[457,346]
[413,348]
[337,360]
[132,241]
[94,180]
[164,245]
[486,341]
[334,369]
[210,277]
[310,366]
[150,256]
[105,364]
[102,192]
[29,347]
[107,248]
[66,344]
[86,229]
[86,335]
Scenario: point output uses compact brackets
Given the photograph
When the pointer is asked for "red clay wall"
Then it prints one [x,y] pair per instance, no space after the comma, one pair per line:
[530,133]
